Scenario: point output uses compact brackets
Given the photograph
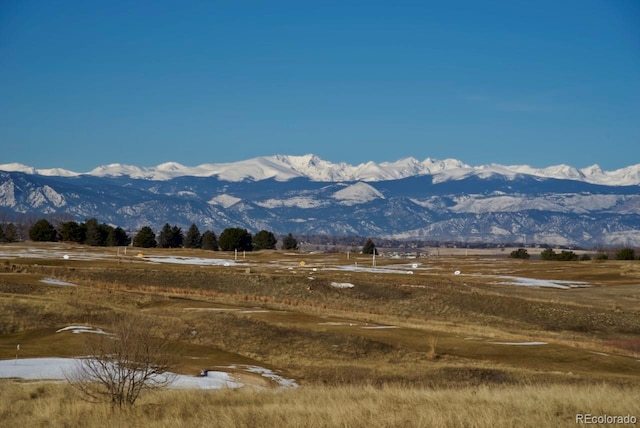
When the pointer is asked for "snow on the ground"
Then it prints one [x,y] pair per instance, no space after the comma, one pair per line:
[213,380]
[553,283]
[282,381]
[519,343]
[81,329]
[53,281]
[39,253]
[342,285]
[37,368]
[380,327]
[192,261]
[336,323]
[57,368]
[371,269]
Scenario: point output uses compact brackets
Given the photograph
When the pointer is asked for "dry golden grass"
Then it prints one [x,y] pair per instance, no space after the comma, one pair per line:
[438,367]
[54,405]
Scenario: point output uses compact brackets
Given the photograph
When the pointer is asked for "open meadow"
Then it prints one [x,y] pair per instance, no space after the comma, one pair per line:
[316,339]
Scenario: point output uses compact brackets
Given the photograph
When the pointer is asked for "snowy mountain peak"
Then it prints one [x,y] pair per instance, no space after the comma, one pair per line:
[285,167]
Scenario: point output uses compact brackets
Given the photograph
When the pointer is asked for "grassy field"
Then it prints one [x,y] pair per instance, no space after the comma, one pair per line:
[434,341]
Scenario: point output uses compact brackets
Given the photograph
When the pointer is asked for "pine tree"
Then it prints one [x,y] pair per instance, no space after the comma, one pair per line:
[118,237]
[235,238]
[145,238]
[209,241]
[43,231]
[264,240]
[177,237]
[70,231]
[289,243]
[170,237]
[369,247]
[193,238]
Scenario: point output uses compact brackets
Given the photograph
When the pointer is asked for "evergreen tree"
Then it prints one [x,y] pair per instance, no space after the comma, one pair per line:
[170,237]
[164,239]
[71,231]
[2,236]
[235,238]
[118,237]
[264,240]
[289,243]
[369,247]
[209,241]
[43,231]
[145,238]
[177,237]
[193,238]
[96,233]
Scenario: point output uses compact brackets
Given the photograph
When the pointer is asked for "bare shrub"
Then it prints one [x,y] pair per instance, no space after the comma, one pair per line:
[120,365]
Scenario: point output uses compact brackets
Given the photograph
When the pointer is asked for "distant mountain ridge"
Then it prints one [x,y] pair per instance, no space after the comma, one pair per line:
[284,168]
[407,199]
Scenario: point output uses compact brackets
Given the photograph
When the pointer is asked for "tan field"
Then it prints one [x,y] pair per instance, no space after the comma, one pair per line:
[460,338]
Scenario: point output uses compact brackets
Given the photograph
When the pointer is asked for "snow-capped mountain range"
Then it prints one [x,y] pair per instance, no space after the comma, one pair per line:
[284,168]
[407,199]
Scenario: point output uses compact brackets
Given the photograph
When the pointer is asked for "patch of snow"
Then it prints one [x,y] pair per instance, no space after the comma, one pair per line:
[335,323]
[552,283]
[358,193]
[353,268]
[59,368]
[225,201]
[53,281]
[519,343]
[37,368]
[54,197]
[191,261]
[7,194]
[282,381]
[82,329]
[298,202]
[213,380]
[342,285]
[380,327]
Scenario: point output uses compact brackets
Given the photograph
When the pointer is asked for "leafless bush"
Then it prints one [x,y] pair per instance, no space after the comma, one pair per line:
[120,365]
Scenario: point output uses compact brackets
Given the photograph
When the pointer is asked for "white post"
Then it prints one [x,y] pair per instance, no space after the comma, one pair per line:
[17,350]
[236,253]
[374,258]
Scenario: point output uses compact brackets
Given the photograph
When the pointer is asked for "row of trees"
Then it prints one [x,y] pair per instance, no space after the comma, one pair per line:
[230,239]
[90,233]
[101,234]
[550,254]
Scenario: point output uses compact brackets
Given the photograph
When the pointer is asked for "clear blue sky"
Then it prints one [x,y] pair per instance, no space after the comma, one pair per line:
[86,83]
